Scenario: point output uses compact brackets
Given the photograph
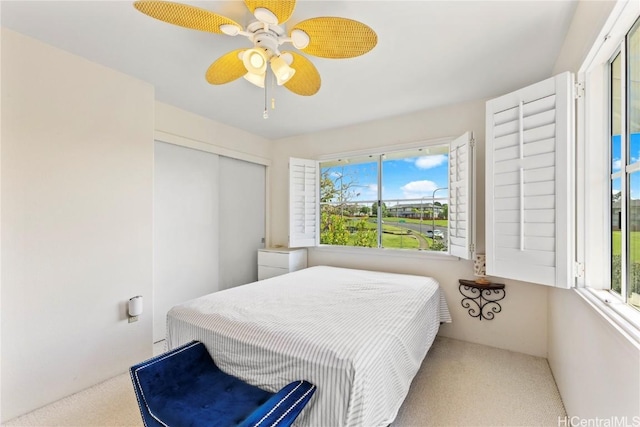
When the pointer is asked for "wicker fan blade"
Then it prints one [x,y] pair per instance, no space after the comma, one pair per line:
[337,37]
[282,9]
[306,80]
[226,69]
[185,15]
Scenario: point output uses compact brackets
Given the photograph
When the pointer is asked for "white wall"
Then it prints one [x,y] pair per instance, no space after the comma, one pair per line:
[77,152]
[181,127]
[77,186]
[596,367]
[522,324]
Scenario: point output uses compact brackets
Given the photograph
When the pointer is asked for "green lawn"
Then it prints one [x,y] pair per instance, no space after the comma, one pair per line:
[372,222]
[634,268]
[635,245]
[374,226]
[438,222]
[392,236]
[401,241]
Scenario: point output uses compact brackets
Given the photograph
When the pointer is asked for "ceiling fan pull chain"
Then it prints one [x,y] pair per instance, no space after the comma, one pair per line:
[265,114]
[273,87]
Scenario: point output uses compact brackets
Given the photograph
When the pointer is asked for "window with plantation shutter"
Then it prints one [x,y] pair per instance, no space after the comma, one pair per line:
[303,194]
[529,169]
[460,195]
[387,199]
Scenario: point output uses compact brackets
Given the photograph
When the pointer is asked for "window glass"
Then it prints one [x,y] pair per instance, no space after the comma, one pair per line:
[633,284]
[406,207]
[616,107]
[616,167]
[414,191]
[616,238]
[348,201]
[633,61]
[633,108]
[625,169]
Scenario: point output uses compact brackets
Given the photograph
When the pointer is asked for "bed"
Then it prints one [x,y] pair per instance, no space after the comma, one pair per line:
[359,336]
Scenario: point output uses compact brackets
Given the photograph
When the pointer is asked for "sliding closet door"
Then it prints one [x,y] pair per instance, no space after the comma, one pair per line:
[185,264]
[242,220]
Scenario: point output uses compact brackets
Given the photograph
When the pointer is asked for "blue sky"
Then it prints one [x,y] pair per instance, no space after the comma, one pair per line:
[417,177]
[634,153]
[408,178]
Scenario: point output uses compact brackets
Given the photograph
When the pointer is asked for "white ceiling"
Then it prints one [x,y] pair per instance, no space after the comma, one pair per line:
[429,53]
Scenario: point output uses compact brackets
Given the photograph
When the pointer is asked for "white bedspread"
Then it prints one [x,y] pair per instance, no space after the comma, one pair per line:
[360,336]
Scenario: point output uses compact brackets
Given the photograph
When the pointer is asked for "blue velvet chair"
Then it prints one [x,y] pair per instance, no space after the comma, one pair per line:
[185,388]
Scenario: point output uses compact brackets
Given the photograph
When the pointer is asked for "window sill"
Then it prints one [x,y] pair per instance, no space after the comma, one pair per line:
[408,253]
[622,316]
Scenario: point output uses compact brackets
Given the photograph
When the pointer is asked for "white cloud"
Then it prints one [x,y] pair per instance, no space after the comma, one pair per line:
[366,192]
[418,189]
[428,162]
[616,165]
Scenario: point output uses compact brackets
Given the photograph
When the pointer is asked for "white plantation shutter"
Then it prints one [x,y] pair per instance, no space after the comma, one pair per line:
[460,196]
[529,152]
[303,202]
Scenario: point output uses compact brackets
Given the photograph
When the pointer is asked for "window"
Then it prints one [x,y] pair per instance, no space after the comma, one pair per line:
[624,132]
[608,167]
[394,201]
[416,199]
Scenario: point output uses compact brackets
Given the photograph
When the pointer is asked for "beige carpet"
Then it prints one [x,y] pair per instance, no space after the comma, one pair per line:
[459,384]
[464,384]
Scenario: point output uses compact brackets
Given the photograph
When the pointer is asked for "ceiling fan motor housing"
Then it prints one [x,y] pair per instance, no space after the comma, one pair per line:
[266,37]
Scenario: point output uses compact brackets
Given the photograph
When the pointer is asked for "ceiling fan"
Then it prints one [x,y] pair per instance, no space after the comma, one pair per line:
[326,37]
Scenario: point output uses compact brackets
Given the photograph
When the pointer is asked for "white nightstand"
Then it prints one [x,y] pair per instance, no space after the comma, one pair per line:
[276,261]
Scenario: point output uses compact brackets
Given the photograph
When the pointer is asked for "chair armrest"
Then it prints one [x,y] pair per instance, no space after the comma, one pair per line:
[283,407]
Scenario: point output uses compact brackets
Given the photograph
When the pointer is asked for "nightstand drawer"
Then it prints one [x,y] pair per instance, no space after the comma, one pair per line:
[273,259]
[265,272]
[276,261]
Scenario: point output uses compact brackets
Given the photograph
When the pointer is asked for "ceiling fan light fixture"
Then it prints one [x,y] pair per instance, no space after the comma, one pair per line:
[255,61]
[256,79]
[287,58]
[230,30]
[265,15]
[300,39]
[281,70]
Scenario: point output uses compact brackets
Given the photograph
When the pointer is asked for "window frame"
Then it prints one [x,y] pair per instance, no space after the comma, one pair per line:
[445,141]
[378,157]
[627,167]
[595,175]
[621,173]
